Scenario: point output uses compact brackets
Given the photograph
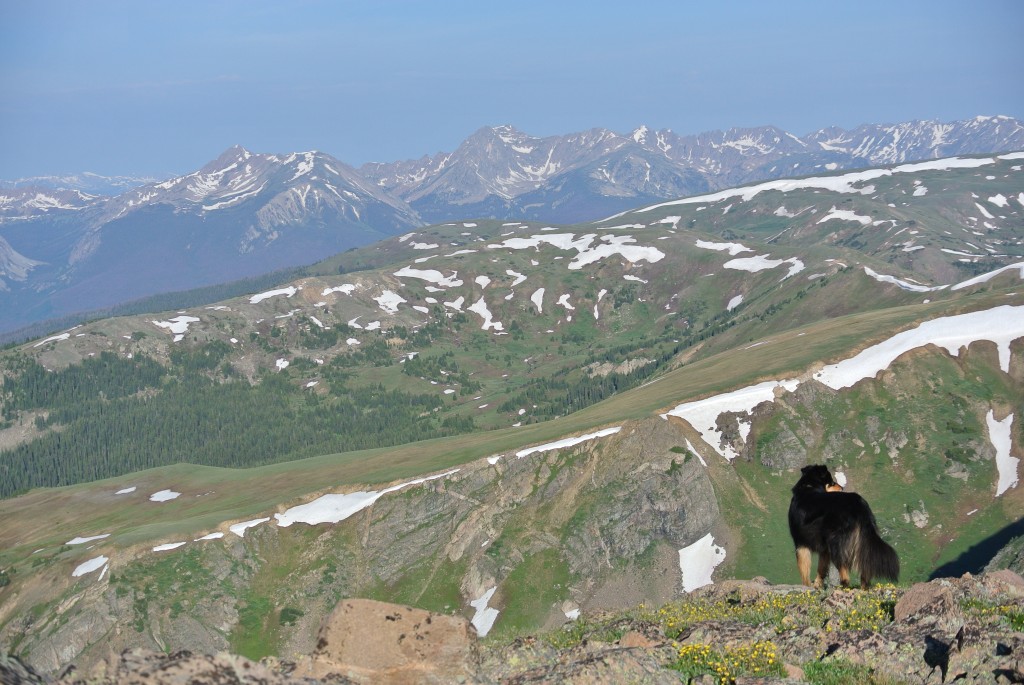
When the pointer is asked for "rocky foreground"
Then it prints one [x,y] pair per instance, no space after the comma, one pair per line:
[967,630]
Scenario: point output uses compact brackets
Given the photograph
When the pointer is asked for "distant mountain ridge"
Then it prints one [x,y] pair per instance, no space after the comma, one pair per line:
[241,215]
[65,250]
[501,172]
[87,182]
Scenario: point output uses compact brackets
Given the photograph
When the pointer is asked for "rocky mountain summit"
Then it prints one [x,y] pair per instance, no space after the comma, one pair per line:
[966,630]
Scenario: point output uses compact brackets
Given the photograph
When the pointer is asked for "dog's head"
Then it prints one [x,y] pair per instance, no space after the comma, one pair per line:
[816,478]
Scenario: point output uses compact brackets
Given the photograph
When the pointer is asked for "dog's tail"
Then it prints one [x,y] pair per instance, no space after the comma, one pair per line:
[875,557]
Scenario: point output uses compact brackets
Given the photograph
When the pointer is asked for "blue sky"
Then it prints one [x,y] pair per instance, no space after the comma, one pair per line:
[139,87]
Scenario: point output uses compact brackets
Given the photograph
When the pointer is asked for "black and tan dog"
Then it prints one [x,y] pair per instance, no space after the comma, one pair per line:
[840,527]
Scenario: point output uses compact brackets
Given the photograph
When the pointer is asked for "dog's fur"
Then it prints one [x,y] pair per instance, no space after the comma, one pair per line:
[840,527]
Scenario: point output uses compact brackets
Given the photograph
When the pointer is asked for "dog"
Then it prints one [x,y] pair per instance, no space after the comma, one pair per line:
[840,527]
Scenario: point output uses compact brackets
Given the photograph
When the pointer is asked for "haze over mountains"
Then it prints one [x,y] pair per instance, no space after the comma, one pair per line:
[65,249]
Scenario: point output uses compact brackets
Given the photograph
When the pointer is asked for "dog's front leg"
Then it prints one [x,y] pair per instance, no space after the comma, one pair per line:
[803,564]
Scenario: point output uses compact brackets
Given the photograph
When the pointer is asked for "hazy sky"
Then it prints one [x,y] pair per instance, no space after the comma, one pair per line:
[141,87]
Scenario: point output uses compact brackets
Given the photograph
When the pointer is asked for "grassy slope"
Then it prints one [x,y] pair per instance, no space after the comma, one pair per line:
[48,517]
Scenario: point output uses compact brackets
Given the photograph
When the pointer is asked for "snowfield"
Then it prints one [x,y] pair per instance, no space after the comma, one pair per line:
[844,183]
[1000,325]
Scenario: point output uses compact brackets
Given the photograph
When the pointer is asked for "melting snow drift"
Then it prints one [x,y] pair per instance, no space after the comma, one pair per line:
[484,618]
[335,508]
[89,566]
[163,496]
[697,561]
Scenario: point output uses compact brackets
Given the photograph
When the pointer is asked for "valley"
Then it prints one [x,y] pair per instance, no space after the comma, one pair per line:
[517,421]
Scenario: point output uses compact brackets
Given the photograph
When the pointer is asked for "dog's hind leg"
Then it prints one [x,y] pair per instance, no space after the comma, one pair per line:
[803,564]
[823,562]
[844,575]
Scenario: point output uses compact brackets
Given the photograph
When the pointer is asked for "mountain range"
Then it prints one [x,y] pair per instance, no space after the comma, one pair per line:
[65,251]
[522,423]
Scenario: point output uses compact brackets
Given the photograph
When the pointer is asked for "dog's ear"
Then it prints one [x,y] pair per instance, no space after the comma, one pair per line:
[807,469]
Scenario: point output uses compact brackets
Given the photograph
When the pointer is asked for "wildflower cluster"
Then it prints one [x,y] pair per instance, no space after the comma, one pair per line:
[771,609]
[859,610]
[758,659]
[870,611]
[584,628]
[1013,614]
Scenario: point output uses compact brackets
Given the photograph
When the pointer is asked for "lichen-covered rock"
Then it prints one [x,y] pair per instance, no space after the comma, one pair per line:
[146,667]
[929,605]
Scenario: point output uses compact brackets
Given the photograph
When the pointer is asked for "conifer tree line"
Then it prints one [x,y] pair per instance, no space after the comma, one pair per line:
[111,416]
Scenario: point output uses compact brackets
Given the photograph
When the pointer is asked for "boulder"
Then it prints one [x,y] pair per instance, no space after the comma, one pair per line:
[1005,582]
[370,641]
[930,605]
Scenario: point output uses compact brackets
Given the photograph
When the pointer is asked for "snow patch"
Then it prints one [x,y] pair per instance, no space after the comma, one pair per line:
[164,496]
[240,528]
[538,300]
[1019,267]
[345,288]
[89,566]
[288,292]
[480,307]
[904,285]
[168,546]
[177,326]
[999,435]
[698,561]
[567,442]
[389,301]
[519,278]
[484,617]
[59,337]
[430,275]
[703,414]
[338,507]
[82,541]
[844,215]
[732,248]
[763,262]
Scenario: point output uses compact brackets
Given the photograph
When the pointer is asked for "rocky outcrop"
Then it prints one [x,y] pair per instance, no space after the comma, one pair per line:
[601,522]
[963,630]
[370,641]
